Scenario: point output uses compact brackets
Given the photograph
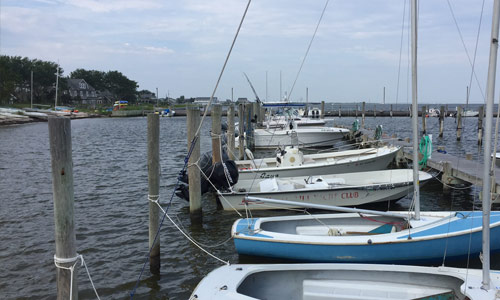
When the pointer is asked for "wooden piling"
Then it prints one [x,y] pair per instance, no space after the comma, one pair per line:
[340,111]
[363,115]
[375,110]
[390,112]
[446,177]
[193,122]
[153,137]
[480,125]
[442,114]
[459,123]
[249,127]
[424,119]
[356,110]
[63,195]
[216,116]
[241,131]
[256,111]
[322,116]
[468,156]
[230,132]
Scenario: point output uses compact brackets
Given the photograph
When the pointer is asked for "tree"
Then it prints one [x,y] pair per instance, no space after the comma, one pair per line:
[120,85]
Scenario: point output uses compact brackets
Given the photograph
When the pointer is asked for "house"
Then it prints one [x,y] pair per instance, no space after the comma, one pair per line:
[80,91]
[147,97]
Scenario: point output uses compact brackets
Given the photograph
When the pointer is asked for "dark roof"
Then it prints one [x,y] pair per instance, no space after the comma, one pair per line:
[75,84]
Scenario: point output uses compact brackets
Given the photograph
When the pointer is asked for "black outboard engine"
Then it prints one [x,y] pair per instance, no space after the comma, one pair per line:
[222,175]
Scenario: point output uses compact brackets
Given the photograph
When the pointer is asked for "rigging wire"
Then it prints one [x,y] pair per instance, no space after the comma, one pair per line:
[308,47]
[186,159]
[473,62]
[400,51]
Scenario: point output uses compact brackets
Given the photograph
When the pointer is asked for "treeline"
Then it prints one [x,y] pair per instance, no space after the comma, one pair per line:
[15,81]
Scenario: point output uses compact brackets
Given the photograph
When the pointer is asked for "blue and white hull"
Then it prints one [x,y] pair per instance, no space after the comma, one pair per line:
[368,239]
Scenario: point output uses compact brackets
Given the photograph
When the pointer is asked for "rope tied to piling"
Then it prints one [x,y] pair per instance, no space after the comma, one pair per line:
[74,260]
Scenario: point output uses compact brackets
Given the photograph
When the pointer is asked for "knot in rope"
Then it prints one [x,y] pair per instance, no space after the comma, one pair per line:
[74,260]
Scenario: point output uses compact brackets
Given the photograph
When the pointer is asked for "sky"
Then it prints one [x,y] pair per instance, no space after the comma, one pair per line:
[179,47]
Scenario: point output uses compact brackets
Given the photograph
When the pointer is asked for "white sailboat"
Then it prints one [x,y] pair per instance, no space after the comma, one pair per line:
[290,161]
[348,189]
[356,281]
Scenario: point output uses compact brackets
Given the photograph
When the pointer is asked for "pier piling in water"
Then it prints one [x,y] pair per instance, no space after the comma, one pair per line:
[230,131]
[442,114]
[193,121]
[480,125]
[424,119]
[322,116]
[363,115]
[390,112]
[241,130]
[249,126]
[63,195]
[154,191]
[459,123]
[216,116]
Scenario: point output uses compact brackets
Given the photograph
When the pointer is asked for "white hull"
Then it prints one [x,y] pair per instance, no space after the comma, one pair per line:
[323,136]
[350,189]
[320,164]
[342,281]
[301,122]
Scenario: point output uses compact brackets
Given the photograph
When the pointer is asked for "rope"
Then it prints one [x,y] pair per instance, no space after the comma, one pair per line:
[74,260]
[308,47]
[425,148]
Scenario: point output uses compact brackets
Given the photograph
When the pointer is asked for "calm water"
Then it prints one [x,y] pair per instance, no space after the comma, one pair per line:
[111,207]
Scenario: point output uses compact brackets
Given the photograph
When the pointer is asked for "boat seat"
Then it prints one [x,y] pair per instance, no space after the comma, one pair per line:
[318,230]
[336,289]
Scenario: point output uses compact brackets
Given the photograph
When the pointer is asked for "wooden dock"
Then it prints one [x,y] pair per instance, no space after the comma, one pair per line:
[454,170]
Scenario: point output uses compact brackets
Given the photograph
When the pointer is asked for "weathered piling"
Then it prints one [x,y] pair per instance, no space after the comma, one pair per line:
[442,114]
[424,119]
[62,186]
[241,130]
[193,122]
[257,114]
[363,115]
[249,127]
[340,111]
[322,116]
[230,132]
[153,137]
[390,112]
[356,110]
[216,116]
[480,125]
[459,123]
[375,110]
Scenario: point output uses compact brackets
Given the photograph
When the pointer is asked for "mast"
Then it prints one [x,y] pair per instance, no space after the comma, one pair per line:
[414,115]
[31,89]
[57,86]
[490,94]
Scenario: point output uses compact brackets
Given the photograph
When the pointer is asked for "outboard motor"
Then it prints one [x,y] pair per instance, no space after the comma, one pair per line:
[222,175]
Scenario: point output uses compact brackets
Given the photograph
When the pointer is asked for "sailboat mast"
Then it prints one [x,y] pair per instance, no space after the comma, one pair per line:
[414,115]
[490,94]
[57,86]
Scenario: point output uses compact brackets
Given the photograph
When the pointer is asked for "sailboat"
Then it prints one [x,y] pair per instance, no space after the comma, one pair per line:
[361,281]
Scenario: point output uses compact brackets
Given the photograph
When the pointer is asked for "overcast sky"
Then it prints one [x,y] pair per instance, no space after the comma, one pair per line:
[179,46]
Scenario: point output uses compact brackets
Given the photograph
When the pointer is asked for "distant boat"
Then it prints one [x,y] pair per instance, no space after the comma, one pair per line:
[290,161]
[314,113]
[434,112]
[348,189]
